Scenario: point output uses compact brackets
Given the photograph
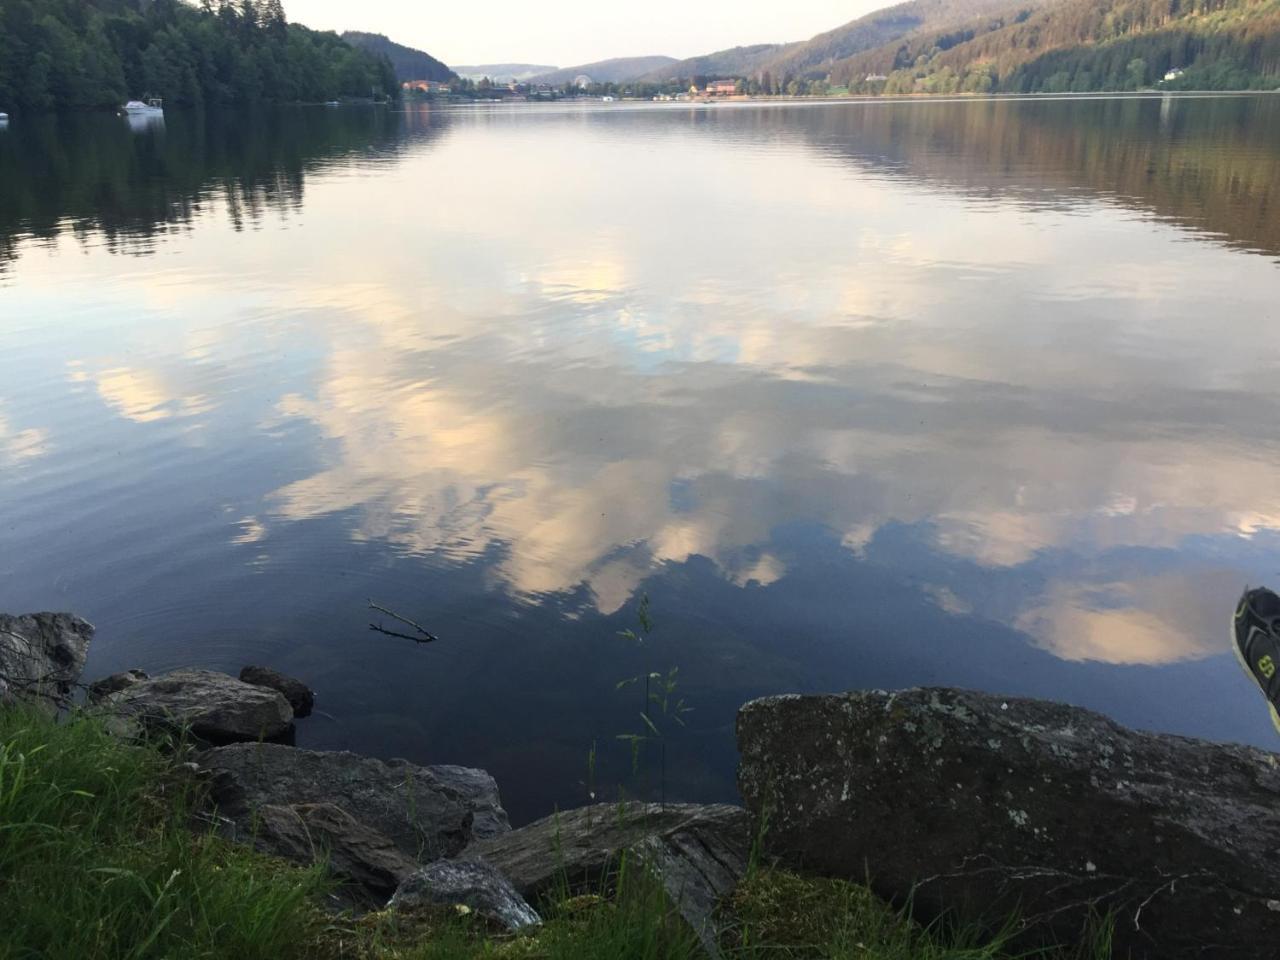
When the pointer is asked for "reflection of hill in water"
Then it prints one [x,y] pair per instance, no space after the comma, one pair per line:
[1208,164]
[94,174]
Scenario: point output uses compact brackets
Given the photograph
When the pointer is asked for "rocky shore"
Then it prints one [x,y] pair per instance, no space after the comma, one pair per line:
[960,803]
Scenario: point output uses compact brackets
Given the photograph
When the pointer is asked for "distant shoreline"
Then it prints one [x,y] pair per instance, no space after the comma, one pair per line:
[708,101]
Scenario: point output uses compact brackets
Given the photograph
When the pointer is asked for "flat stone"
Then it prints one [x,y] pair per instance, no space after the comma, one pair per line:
[991,806]
[299,695]
[41,658]
[429,813]
[474,884]
[216,707]
[324,832]
[699,852]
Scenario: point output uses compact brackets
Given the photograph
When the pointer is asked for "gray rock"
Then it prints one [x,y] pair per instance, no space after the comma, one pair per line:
[312,832]
[217,707]
[428,812]
[299,695]
[698,852]
[990,806]
[41,657]
[99,690]
[471,883]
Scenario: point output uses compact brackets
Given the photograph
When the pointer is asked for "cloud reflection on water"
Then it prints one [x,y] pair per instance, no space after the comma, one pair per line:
[586,355]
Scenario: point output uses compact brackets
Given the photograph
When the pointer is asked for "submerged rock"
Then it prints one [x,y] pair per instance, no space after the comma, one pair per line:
[216,707]
[354,852]
[474,884]
[697,852]
[299,695]
[428,812]
[41,657]
[992,806]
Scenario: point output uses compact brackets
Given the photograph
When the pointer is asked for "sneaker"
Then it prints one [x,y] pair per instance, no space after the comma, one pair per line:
[1256,631]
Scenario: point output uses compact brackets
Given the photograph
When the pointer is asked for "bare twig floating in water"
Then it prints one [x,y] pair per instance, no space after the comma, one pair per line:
[423,636]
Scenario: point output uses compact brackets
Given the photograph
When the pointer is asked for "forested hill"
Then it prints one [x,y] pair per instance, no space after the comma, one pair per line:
[814,59]
[1022,46]
[409,64]
[1085,45]
[886,27]
[68,54]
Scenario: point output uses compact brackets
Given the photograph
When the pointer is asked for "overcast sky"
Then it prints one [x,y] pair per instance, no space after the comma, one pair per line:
[569,32]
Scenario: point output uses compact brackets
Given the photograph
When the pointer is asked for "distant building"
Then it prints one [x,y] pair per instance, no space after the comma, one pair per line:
[1174,74]
[722,88]
[424,86]
[875,78]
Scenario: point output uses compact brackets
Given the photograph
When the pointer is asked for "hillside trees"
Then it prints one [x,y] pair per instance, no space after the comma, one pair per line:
[73,54]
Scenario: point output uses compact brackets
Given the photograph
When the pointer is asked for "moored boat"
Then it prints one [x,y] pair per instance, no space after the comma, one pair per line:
[151,107]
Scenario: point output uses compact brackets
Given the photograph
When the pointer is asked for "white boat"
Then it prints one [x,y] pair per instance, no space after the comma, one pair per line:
[153,107]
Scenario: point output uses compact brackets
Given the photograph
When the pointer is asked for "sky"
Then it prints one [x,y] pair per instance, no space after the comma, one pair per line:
[569,32]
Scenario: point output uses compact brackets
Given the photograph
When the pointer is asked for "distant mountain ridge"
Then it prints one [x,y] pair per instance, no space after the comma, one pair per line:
[505,72]
[617,70]
[408,63]
[1027,46]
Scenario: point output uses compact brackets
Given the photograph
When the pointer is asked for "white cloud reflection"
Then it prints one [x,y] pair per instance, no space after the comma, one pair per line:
[590,402]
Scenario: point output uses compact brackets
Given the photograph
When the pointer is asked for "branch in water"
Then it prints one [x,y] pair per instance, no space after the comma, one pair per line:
[425,635]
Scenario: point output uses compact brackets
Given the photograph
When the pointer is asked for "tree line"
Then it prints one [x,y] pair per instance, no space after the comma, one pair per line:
[81,54]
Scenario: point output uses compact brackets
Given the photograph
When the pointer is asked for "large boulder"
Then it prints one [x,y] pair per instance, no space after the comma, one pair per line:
[41,657]
[995,806]
[215,707]
[429,813]
[699,853]
[473,884]
[299,695]
[324,832]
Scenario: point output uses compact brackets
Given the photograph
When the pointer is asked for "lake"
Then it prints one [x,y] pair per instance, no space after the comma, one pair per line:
[981,393]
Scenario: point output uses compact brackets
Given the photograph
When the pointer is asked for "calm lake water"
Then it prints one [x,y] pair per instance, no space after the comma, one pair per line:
[967,393]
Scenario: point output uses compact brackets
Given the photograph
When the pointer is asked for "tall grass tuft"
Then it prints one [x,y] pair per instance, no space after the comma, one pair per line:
[97,858]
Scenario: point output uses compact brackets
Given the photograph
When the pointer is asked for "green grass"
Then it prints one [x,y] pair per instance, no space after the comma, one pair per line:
[99,860]
[784,916]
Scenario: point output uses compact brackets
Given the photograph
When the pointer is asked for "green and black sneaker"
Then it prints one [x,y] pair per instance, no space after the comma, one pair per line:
[1256,632]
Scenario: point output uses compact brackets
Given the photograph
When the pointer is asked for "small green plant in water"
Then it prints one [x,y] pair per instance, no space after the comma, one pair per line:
[660,708]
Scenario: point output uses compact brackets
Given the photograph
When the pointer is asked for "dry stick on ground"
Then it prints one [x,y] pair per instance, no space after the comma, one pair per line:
[426,636]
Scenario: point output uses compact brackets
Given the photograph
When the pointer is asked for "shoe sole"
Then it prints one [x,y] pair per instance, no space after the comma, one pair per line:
[1275,717]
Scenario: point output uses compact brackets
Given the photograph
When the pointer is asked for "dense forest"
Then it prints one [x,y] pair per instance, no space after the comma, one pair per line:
[75,54]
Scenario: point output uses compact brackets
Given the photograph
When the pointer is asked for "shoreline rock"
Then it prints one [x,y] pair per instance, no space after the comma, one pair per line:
[992,806]
[474,884]
[215,707]
[371,864]
[428,813]
[698,852]
[41,658]
[301,698]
